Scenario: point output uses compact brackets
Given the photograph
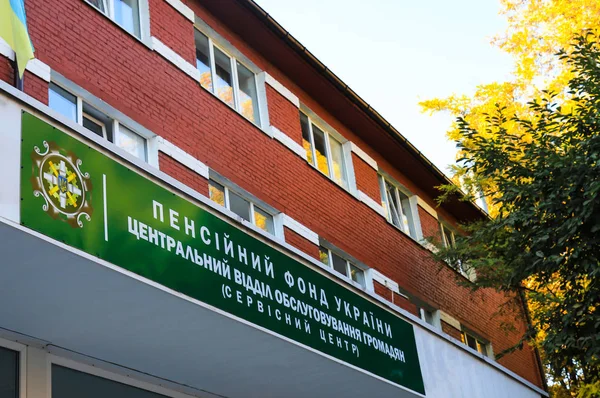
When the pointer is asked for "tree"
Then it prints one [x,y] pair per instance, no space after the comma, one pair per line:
[541,162]
[537,30]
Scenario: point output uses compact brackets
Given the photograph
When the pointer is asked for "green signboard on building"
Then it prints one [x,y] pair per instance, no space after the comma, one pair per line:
[75,194]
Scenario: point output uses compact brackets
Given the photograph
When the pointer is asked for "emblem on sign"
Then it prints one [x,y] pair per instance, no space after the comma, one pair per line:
[58,179]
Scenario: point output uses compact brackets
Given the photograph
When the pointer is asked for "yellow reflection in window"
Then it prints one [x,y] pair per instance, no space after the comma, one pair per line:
[226,94]
[261,221]
[248,108]
[324,256]
[308,149]
[322,163]
[206,80]
[216,195]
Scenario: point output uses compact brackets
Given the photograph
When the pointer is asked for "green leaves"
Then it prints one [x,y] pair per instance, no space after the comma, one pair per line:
[544,168]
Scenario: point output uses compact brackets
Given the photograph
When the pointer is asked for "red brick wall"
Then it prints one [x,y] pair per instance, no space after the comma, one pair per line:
[6,70]
[172,29]
[141,84]
[32,85]
[35,87]
[284,115]
[183,174]
[301,243]
[451,330]
[367,179]
[429,225]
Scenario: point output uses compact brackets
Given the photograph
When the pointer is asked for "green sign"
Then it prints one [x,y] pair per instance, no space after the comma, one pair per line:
[78,195]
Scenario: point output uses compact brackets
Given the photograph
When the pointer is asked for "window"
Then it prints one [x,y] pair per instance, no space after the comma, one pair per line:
[475,343]
[126,13]
[323,151]
[69,383]
[9,373]
[227,78]
[397,207]
[242,207]
[342,266]
[447,235]
[431,316]
[97,122]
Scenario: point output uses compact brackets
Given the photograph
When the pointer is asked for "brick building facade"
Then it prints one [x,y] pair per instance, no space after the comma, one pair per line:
[218,96]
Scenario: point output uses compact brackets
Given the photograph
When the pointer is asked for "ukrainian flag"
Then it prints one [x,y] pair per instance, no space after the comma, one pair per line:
[13,29]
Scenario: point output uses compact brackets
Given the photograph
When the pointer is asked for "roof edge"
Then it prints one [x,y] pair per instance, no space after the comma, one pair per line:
[321,68]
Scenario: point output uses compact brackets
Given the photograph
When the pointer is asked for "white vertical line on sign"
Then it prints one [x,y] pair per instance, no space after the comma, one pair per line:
[105,207]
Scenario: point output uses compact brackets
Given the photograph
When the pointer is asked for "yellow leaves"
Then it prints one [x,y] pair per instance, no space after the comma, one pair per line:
[527,138]
[537,30]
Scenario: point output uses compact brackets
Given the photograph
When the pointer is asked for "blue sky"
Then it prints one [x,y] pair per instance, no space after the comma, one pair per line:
[395,53]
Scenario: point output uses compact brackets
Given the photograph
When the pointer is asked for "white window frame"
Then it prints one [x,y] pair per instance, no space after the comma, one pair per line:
[479,342]
[328,136]
[435,315]
[21,349]
[443,227]
[348,263]
[235,84]
[276,228]
[93,119]
[115,123]
[464,271]
[109,7]
[412,217]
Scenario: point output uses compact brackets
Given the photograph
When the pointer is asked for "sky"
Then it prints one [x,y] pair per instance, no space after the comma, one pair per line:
[396,53]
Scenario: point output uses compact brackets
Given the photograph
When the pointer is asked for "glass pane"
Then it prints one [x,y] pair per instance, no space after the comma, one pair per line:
[320,150]
[393,208]
[69,383]
[428,316]
[99,4]
[337,162]
[248,94]
[216,193]
[94,126]
[224,83]
[127,14]
[9,375]
[471,342]
[448,238]
[481,347]
[131,142]
[62,102]
[263,220]
[357,275]
[324,255]
[339,264]
[239,206]
[306,140]
[405,212]
[203,60]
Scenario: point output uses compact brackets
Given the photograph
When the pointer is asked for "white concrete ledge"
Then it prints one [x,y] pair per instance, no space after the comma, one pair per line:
[427,208]
[182,157]
[288,142]
[300,229]
[364,156]
[450,320]
[39,69]
[281,89]
[34,66]
[366,199]
[175,59]
[385,281]
[182,9]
